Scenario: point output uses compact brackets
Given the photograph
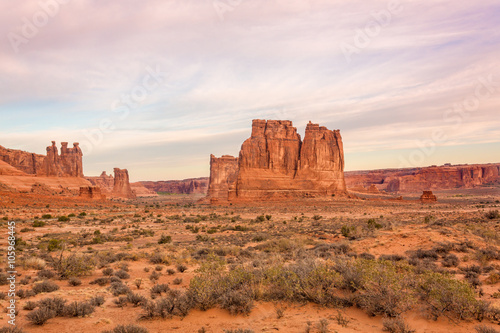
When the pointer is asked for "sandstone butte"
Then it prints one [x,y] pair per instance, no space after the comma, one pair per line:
[55,173]
[422,179]
[275,164]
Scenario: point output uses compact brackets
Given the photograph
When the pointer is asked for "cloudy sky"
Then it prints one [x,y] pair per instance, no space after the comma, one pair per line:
[156,86]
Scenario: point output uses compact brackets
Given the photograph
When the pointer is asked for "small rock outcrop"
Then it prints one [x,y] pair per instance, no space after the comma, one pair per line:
[121,187]
[275,164]
[428,197]
[92,192]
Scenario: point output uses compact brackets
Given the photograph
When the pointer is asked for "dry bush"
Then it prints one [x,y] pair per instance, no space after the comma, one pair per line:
[127,329]
[10,329]
[78,309]
[45,286]
[396,325]
[40,316]
[34,263]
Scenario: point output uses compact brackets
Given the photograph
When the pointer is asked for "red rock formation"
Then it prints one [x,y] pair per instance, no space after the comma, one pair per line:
[186,186]
[420,179]
[26,162]
[92,192]
[141,191]
[104,181]
[223,174]
[71,160]
[275,164]
[68,164]
[427,197]
[121,186]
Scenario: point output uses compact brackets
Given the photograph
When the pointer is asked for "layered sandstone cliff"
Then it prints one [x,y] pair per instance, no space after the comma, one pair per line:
[274,164]
[223,175]
[28,163]
[429,178]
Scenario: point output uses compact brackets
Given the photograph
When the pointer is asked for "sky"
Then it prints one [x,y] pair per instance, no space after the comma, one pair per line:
[156,86]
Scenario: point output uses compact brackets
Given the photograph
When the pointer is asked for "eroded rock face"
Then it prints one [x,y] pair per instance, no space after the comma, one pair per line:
[67,164]
[23,161]
[274,164]
[122,188]
[92,192]
[223,174]
[104,181]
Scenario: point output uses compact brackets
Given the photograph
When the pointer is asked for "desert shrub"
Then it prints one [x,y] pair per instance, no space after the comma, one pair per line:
[492,214]
[240,330]
[237,301]
[158,289]
[97,300]
[23,293]
[450,260]
[154,276]
[35,263]
[63,218]
[78,309]
[3,279]
[46,216]
[44,287]
[101,281]
[54,304]
[122,274]
[38,224]
[158,258]
[426,254]
[75,265]
[108,271]
[385,287]
[177,281]
[445,295]
[54,244]
[396,325]
[46,274]
[367,256]
[164,239]
[29,305]
[174,303]
[118,288]
[74,281]
[485,329]
[40,316]
[121,301]
[127,329]
[348,231]
[136,299]
[181,268]
[391,257]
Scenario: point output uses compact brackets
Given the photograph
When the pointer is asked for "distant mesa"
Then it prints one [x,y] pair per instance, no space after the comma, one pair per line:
[275,164]
[411,180]
[186,186]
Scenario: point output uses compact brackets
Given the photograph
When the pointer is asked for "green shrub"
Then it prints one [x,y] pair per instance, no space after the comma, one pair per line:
[75,265]
[54,244]
[38,224]
[46,216]
[164,239]
[63,219]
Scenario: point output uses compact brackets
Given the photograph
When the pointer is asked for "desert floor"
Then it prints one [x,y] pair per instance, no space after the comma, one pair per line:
[170,240]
